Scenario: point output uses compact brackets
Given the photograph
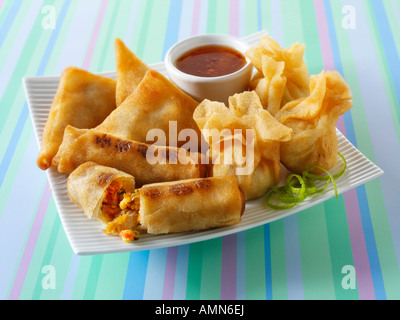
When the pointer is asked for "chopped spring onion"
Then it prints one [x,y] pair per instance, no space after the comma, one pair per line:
[298,187]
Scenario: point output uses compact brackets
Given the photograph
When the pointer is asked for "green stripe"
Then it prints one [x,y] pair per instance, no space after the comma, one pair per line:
[111,280]
[82,277]
[212,17]
[93,277]
[210,288]
[222,20]
[339,245]
[291,23]
[278,261]
[255,264]
[154,46]
[315,261]
[194,274]
[251,17]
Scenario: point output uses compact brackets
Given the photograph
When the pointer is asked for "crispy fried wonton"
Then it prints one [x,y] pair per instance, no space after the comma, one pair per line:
[313,120]
[247,144]
[279,67]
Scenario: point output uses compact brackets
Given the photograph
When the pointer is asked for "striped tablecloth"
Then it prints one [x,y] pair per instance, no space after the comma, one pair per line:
[342,249]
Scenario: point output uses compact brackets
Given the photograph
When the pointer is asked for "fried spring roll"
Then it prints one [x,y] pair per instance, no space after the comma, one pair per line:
[190,205]
[147,163]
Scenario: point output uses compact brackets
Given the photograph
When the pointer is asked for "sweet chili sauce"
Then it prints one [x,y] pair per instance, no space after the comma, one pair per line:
[211,61]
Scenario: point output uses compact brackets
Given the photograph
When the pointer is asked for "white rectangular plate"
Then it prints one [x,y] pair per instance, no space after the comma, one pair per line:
[86,236]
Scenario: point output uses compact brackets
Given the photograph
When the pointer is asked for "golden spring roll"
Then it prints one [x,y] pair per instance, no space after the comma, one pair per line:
[147,163]
[190,205]
[87,186]
[98,191]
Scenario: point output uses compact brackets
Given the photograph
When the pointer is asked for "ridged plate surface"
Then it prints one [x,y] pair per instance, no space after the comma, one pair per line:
[86,236]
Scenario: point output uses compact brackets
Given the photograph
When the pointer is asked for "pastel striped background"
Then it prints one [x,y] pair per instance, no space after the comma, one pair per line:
[300,257]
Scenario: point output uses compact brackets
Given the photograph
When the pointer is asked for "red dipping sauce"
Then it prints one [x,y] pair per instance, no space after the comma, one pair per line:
[211,61]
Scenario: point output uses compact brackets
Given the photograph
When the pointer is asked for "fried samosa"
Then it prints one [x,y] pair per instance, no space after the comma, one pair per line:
[155,104]
[295,71]
[147,163]
[83,100]
[244,141]
[130,71]
[313,120]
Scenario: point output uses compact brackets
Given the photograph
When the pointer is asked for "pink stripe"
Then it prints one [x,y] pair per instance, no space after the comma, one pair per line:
[30,245]
[234,17]
[169,277]
[2,4]
[96,31]
[327,55]
[359,249]
[228,267]
[196,17]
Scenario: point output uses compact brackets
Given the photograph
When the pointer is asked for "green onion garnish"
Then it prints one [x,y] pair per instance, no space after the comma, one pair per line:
[298,187]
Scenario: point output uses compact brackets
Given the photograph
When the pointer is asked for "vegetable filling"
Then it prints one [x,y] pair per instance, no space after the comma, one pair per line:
[121,212]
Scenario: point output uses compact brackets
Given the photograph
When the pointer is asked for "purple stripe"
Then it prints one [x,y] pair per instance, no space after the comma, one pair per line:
[196,17]
[234,17]
[326,48]
[359,249]
[228,267]
[169,276]
[31,244]
[95,35]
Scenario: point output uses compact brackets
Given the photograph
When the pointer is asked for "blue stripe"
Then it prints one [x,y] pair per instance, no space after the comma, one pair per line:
[389,45]
[12,145]
[372,250]
[268,269]
[155,274]
[136,275]
[181,272]
[259,15]
[7,23]
[172,32]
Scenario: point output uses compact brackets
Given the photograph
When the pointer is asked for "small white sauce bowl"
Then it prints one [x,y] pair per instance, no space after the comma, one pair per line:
[211,88]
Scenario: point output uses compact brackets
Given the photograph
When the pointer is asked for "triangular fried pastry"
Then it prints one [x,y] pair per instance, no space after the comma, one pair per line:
[83,100]
[155,103]
[130,71]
